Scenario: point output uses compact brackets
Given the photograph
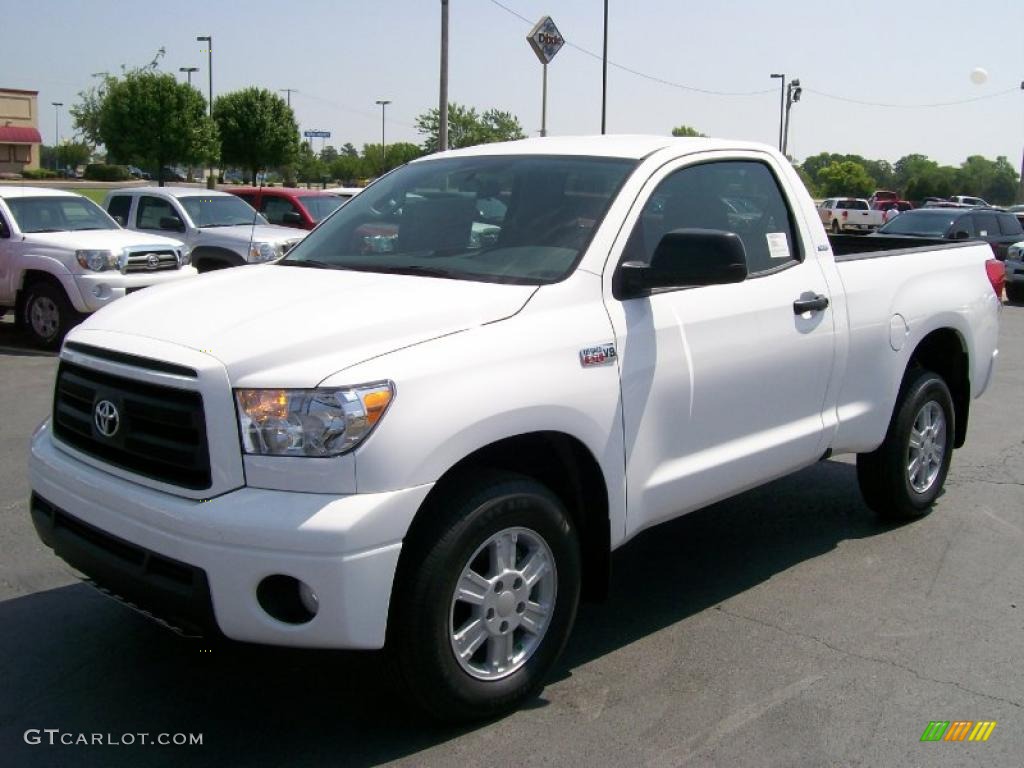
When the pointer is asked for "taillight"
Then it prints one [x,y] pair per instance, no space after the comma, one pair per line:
[846,214]
[996,272]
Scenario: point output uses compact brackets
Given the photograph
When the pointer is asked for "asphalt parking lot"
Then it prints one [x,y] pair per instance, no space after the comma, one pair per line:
[784,627]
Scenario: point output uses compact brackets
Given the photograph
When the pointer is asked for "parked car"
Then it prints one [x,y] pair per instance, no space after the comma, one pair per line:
[891,208]
[220,229]
[1014,277]
[138,173]
[882,196]
[290,206]
[849,214]
[434,449]
[346,193]
[997,228]
[972,202]
[62,258]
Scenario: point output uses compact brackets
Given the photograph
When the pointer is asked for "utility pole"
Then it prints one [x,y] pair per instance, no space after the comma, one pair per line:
[793,92]
[1020,188]
[383,147]
[208,39]
[289,91]
[782,104]
[56,131]
[604,70]
[442,109]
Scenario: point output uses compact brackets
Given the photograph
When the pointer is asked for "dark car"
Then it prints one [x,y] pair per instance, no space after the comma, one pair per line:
[997,228]
[290,206]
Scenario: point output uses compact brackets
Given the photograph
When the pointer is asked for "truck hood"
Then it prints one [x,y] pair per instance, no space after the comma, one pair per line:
[274,326]
[98,239]
[261,233]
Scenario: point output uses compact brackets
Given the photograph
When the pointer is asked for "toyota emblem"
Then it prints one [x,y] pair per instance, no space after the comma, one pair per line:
[106,418]
[152,261]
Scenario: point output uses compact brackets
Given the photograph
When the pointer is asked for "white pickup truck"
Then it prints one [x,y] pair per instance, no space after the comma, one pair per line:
[62,257]
[849,214]
[220,229]
[435,447]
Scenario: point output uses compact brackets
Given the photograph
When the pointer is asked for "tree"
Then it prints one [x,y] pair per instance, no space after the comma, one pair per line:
[348,169]
[86,113]
[399,153]
[932,181]
[72,154]
[308,167]
[686,130]
[150,119]
[845,177]
[349,150]
[466,128]
[996,181]
[257,129]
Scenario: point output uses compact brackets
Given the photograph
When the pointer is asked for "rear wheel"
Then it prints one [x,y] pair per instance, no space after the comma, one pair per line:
[47,314]
[903,477]
[1015,293]
[485,598]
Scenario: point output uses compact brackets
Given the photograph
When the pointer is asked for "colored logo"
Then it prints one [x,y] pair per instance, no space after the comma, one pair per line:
[958,730]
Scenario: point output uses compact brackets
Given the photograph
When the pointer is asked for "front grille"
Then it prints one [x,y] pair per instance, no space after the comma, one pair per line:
[151,260]
[160,431]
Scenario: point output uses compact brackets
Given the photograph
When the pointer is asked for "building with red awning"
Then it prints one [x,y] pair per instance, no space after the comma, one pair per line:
[19,130]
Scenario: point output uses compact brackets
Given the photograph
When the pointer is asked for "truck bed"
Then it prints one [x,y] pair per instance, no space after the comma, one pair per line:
[855,247]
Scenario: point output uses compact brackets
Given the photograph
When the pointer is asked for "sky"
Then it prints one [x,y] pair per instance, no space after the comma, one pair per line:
[341,56]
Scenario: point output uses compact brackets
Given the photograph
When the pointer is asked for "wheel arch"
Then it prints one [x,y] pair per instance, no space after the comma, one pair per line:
[563,464]
[944,351]
[217,257]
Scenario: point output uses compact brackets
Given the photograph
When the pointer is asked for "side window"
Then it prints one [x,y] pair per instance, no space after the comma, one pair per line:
[274,208]
[250,199]
[1009,224]
[735,196]
[119,208]
[151,210]
[962,224]
[986,224]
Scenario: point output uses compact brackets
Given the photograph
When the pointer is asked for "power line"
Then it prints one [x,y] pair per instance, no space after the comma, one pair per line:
[710,92]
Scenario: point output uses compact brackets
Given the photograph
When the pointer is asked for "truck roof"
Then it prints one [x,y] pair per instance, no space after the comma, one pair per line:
[172,191]
[625,146]
[12,191]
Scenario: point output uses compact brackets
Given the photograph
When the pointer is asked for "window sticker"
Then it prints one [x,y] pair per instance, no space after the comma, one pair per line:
[778,245]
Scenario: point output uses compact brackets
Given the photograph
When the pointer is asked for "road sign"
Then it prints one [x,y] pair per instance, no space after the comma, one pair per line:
[317,134]
[545,39]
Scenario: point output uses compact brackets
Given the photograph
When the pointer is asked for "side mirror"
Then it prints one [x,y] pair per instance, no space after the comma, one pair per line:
[685,258]
[292,219]
[172,224]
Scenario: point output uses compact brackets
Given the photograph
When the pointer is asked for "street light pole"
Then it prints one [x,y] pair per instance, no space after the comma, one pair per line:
[1020,187]
[604,70]
[792,96]
[782,104]
[208,39]
[383,147]
[56,131]
[188,71]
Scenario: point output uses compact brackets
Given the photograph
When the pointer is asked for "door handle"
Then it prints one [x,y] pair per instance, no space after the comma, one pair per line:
[814,304]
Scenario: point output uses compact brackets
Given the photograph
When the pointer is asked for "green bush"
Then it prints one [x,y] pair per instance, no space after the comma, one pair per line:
[38,173]
[102,172]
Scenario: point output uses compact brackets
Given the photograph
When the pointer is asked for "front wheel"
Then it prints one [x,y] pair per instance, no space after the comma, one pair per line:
[485,598]
[47,314]
[902,478]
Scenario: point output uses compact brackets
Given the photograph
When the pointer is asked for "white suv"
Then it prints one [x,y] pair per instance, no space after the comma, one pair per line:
[62,257]
[220,229]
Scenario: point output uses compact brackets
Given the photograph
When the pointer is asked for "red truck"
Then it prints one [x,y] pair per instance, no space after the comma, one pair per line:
[290,206]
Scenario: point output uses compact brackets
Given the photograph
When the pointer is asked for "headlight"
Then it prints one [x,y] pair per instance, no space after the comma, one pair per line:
[97,261]
[184,256]
[310,422]
[262,252]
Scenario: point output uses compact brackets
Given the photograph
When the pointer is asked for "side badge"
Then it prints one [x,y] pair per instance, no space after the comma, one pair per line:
[602,354]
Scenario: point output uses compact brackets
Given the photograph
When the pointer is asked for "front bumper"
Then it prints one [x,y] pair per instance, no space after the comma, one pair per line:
[345,547]
[97,289]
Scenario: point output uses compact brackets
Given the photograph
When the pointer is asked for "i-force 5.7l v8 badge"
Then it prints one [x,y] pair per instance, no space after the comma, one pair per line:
[602,354]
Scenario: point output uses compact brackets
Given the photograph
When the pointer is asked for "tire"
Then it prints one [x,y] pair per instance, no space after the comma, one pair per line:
[1015,293]
[47,315]
[889,484]
[489,537]
[836,229]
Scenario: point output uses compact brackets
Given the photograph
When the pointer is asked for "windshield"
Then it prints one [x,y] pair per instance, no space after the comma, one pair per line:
[921,223]
[58,214]
[220,211]
[512,219]
[321,206]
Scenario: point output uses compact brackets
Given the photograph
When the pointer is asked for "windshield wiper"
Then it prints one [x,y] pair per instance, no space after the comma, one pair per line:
[310,263]
[211,226]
